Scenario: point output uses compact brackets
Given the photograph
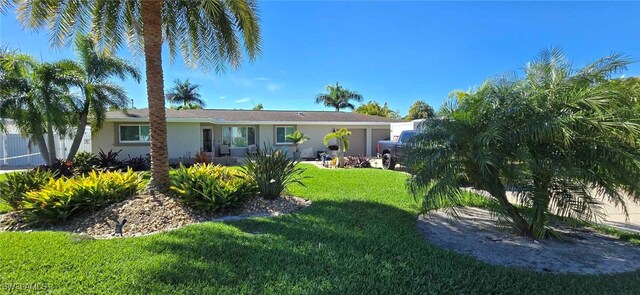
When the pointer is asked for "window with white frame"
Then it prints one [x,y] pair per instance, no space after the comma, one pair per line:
[130,133]
[238,136]
[282,133]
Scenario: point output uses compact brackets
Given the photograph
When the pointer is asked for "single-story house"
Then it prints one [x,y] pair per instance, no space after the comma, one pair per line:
[232,131]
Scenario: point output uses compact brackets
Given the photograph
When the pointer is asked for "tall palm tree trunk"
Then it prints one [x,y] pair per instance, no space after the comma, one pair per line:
[42,147]
[51,142]
[152,34]
[82,125]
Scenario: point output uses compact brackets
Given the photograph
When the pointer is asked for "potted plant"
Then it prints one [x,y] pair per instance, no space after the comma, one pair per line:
[296,139]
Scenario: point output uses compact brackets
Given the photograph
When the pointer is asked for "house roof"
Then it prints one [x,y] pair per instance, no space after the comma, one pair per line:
[247,116]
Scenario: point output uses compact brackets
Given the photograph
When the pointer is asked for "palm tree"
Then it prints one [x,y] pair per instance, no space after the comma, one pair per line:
[556,138]
[188,106]
[338,97]
[36,97]
[342,137]
[100,95]
[211,34]
[297,138]
[373,108]
[185,93]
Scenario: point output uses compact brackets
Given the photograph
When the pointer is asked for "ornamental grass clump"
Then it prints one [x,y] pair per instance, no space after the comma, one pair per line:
[272,171]
[211,188]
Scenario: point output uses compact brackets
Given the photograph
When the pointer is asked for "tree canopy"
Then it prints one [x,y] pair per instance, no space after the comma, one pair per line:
[420,110]
[375,109]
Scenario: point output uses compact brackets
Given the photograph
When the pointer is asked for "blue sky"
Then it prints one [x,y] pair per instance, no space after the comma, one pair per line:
[395,52]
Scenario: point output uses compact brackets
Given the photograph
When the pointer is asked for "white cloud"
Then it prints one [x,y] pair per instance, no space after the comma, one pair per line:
[273,86]
[243,100]
[223,97]
[262,79]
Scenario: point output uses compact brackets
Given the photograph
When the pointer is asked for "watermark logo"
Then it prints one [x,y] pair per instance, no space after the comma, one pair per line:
[23,287]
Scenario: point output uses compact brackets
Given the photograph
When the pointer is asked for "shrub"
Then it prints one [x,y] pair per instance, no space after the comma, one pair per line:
[60,198]
[59,169]
[211,187]
[85,162]
[109,161]
[271,171]
[139,163]
[357,162]
[202,158]
[14,187]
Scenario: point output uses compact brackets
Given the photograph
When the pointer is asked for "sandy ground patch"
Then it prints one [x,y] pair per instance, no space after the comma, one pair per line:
[477,234]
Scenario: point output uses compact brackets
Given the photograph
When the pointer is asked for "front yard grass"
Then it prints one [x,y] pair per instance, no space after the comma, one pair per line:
[358,237]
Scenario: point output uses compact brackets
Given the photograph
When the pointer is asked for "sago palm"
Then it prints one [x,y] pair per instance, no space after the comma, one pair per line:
[185,93]
[338,97]
[99,93]
[208,33]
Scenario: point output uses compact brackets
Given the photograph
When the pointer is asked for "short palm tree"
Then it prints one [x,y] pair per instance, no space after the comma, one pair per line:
[342,138]
[555,138]
[36,97]
[297,138]
[185,93]
[99,93]
[211,34]
[338,97]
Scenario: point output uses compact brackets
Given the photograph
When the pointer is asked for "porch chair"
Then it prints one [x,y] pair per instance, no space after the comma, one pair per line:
[252,149]
[225,150]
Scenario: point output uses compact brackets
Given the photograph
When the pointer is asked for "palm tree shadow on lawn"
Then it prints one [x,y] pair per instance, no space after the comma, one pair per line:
[341,247]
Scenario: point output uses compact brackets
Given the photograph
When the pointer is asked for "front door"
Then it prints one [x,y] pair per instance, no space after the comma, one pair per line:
[207,140]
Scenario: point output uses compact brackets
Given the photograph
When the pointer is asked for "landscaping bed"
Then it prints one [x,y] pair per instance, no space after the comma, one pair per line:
[149,214]
[478,234]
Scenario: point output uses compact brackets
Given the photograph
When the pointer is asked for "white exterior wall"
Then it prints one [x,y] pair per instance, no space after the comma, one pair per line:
[184,140]
[397,128]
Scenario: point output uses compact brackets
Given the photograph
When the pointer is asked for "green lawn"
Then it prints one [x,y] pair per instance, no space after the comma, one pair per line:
[3,206]
[358,236]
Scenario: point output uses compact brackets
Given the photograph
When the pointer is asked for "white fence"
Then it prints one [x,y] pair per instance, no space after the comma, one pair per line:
[16,152]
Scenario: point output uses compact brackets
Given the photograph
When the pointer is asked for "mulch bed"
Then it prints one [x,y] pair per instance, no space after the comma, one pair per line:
[147,214]
[478,234]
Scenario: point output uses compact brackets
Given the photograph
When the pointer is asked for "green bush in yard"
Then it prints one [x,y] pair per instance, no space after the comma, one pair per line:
[13,188]
[85,162]
[211,187]
[272,171]
[60,198]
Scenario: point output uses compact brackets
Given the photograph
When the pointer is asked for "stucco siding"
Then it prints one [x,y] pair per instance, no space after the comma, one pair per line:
[183,140]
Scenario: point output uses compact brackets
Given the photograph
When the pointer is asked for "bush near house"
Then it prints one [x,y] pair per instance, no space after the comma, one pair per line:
[85,162]
[211,187]
[60,198]
[272,171]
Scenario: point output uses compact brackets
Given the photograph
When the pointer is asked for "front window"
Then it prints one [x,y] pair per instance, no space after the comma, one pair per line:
[134,133]
[238,136]
[282,132]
